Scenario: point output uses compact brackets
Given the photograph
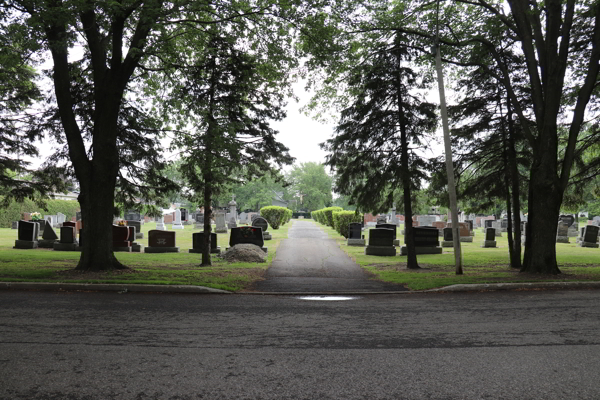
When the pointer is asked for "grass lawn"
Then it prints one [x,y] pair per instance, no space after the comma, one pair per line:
[480,265]
[183,268]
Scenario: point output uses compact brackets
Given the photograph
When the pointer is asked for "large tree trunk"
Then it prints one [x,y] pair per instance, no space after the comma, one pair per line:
[207,223]
[515,260]
[545,198]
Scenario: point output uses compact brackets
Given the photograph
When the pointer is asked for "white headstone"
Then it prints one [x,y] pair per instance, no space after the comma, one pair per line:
[160,224]
[177,223]
[60,218]
[220,220]
[52,220]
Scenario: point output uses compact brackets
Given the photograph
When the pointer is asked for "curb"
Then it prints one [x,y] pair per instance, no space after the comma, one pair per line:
[102,287]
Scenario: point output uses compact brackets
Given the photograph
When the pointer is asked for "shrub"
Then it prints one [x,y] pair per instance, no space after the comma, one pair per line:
[14,211]
[274,215]
[343,219]
[328,213]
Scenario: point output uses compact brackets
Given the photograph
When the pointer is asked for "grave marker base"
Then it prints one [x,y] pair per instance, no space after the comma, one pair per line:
[562,239]
[46,244]
[488,243]
[386,251]
[25,244]
[397,242]
[125,249]
[588,244]
[356,242]
[161,249]
[221,230]
[468,239]
[137,248]
[421,250]
[139,235]
[66,247]
[177,226]
[447,243]
[267,236]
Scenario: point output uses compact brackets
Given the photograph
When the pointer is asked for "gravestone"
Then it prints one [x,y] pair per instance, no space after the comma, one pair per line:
[243,217]
[440,225]
[490,238]
[590,236]
[247,235]
[562,233]
[177,223]
[78,216]
[567,219]
[184,215]
[198,240]
[68,241]
[199,218]
[381,242]
[355,234]
[464,232]
[393,218]
[262,223]
[132,215]
[51,219]
[135,246]
[49,237]
[497,225]
[42,225]
[60,218]
[232,219]
[138,228]
[168,218]
[448,240]
[426,241]
[470,222]
[122,238]
[426,220]
[14,225]
[27,232]
[488,223]
[161,242]
[160,223]
[220,221]
[392,227]
[381,219]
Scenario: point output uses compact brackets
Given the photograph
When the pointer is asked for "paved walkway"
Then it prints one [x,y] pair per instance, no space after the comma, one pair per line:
[309,261]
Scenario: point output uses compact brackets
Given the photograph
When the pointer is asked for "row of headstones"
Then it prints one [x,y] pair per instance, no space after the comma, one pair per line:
[383,241]
[54,220]
[28,235]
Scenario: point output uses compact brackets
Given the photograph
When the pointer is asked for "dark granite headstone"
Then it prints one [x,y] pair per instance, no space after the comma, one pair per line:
[504,224]
[426,236]
[448,235]
[15,225]
[387,226]
[49,233]
[355,230]
[184,214]
[67,234]
[158,238]
[381,237]
[260,222]
[488,223]
[470,222]
[247,234]
[198,240]
[121,236]
[567,219]
[200,218]
[490,234]
[74,225]
[590,234]
[253,217]
[78,216]
[136,224]
[27,231]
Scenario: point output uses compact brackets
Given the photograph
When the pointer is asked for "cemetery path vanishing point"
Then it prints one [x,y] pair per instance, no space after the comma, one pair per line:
[309,261]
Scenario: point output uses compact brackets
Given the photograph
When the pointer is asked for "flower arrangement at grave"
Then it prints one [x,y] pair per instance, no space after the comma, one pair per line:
[36,216]
[121,223]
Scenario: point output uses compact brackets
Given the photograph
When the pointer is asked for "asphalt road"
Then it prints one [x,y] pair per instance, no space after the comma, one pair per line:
[492,345]
[309,261]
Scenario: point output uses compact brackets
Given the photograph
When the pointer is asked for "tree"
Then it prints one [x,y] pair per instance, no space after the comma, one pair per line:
[257,193]
[372,151]
[310,185]
[124,41]
[230,100]
[18,123]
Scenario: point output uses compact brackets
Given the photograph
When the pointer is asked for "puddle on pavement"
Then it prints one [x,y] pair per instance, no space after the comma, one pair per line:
[328,298]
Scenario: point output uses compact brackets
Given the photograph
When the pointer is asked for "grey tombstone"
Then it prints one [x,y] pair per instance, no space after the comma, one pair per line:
[15,225]
[381,242]
[562,233]
[220,220]
[42,225]
[177,223]
[247,235]
[49,237]
[355,234]
[381,219]
[490,238]
[590,236]
[567,219]
[60,218]
[426,220]
[52,220]
[132,215]
[198,240]
[262,223]
[243,217]
[26,235]
[160,223]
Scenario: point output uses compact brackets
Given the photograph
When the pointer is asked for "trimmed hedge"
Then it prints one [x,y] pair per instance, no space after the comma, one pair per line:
[276,216]
[343,219]
[325,215]
[14,211]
